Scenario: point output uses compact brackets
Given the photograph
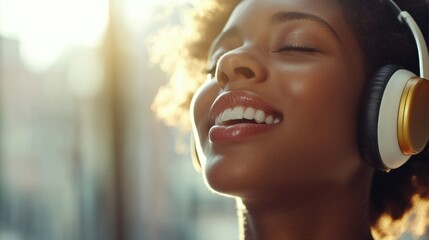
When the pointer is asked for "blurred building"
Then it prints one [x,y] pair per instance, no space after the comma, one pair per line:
[83,157]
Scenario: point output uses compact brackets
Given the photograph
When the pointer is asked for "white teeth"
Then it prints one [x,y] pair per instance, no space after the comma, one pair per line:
[259,116]
[226,115]
[218,120]
[237,113]
[248,113]
[269,119]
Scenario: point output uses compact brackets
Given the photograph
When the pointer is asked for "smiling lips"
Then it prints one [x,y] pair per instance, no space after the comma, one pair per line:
[239,114]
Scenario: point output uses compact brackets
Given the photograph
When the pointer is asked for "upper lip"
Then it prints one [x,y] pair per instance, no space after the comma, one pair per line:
[243,98]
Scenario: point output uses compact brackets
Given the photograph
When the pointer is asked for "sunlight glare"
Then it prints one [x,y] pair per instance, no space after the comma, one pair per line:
[46,28]
[138,13]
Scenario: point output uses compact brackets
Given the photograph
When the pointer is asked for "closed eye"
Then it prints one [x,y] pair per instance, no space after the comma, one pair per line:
[297,48]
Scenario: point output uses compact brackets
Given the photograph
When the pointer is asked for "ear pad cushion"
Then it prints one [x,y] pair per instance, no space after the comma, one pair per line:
[369,116]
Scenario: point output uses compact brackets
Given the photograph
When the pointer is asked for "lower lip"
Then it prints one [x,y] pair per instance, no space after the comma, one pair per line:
[237,132]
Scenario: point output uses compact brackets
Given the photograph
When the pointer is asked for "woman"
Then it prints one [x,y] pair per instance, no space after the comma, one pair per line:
[278,122]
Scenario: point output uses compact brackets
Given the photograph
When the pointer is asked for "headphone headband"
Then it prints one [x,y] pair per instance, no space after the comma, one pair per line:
[405,17]
[394,6]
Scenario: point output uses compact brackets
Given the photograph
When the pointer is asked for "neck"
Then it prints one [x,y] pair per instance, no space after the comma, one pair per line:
[334,214]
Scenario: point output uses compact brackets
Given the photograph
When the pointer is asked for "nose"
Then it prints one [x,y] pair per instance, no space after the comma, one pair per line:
[239,65]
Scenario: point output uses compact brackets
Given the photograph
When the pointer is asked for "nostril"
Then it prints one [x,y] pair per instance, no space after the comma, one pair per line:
[246,72]
[223,78]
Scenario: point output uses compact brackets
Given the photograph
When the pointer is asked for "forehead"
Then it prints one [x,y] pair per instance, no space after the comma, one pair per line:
[255,16]
[330,10]
[261,10]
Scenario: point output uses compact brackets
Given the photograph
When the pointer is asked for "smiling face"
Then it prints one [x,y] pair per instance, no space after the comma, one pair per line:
[280,111]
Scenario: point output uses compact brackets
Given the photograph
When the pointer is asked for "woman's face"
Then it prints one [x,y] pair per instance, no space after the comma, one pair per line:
[280,113]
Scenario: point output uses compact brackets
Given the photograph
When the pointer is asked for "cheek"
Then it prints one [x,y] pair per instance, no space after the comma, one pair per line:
[323,107]
[328,90]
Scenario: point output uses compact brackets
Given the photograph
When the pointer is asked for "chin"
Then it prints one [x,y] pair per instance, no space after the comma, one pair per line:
[244,179]
[230,177]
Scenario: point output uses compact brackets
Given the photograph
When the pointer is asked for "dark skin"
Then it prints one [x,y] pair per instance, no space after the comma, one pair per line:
[301,178]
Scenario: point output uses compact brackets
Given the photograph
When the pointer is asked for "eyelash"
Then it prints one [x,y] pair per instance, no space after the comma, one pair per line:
[297,48]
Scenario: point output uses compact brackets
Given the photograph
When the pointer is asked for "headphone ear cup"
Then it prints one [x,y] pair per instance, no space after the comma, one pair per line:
[369,134]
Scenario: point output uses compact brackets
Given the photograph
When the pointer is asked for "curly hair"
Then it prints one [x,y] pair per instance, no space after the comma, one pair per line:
[399,199]
[186,62]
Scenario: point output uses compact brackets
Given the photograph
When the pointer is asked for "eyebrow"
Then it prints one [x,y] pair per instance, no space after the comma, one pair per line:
[282,17]
[277,19]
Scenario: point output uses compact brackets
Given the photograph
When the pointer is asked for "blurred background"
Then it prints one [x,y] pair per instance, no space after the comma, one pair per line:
[82,155]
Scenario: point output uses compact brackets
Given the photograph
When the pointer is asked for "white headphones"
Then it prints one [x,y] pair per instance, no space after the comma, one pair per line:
[395,120]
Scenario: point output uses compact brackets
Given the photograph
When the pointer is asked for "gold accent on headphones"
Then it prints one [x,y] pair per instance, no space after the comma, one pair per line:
[413,116]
